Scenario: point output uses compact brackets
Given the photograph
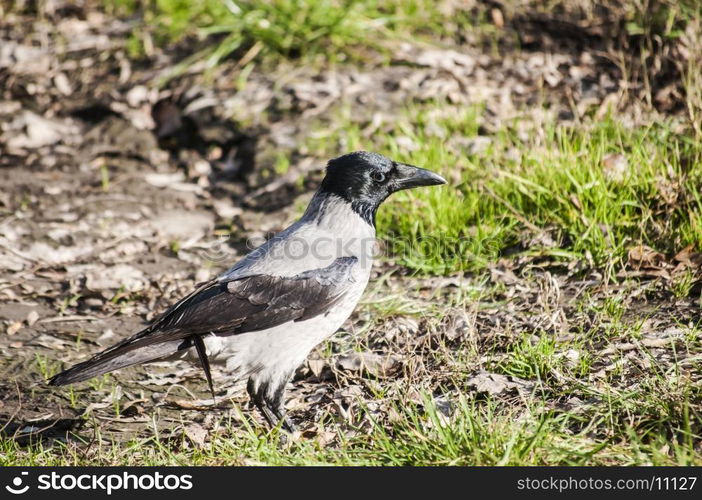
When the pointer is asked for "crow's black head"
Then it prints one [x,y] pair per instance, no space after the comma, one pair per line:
[366,179]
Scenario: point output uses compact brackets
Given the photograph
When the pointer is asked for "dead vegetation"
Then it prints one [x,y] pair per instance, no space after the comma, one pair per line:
[127,178]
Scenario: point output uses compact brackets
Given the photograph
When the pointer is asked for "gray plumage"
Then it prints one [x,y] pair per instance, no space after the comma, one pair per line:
[261,318]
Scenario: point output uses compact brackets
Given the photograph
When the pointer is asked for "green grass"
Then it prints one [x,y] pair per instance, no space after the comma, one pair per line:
[477,432]
[554,181]
[527,192]
[622,417]
[327,30]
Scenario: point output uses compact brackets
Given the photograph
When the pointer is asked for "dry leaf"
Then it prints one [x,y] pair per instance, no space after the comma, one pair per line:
[495,384]
[32,317]
[14,327]
[196,433]
[615,167]
[367,362]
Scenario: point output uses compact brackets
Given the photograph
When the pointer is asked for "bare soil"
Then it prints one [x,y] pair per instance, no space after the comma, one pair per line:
[118,196]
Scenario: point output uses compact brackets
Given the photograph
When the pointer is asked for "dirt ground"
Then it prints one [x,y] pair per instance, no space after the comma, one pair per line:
[118,196]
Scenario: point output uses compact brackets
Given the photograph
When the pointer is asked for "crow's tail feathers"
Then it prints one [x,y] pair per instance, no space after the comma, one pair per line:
[131,351]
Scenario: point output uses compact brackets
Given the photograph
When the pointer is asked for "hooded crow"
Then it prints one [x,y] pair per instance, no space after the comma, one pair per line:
[262,317]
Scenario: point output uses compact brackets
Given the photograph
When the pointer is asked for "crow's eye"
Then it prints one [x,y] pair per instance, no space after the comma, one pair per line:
[378,176]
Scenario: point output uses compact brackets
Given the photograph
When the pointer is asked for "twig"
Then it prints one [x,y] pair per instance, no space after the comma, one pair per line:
[16,412]
[17,253]
[60,319]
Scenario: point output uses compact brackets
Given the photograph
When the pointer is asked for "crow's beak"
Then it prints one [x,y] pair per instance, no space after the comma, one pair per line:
[409,176]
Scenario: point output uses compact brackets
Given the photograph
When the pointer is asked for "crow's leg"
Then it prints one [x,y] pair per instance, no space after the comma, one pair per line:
[281,416]
[269,401]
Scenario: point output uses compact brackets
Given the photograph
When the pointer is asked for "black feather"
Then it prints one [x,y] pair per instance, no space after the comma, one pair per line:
[247,304]
[202,354]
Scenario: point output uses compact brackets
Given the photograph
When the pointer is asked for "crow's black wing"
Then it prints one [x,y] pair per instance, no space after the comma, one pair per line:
[247,304]
[256,302]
